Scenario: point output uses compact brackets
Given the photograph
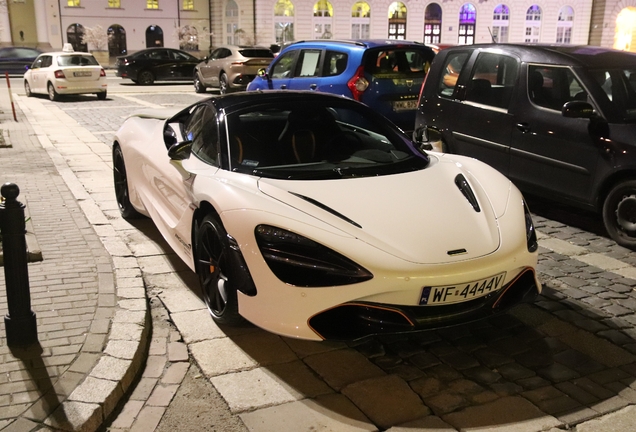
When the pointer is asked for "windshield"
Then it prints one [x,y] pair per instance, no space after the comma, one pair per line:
[293,140]
[619,85]
[77,60]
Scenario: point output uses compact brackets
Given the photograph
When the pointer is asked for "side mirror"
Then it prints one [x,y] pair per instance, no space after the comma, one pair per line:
[180,151]
[428,138]
[577,109]
[262,72]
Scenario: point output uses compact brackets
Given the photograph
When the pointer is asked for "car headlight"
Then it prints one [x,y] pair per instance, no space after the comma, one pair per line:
[299,261]
[531,235]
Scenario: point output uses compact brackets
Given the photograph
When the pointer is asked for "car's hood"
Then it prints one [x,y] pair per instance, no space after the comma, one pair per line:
[156,113]
[422,216]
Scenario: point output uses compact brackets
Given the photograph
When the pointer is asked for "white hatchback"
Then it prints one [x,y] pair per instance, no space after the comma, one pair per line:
[65,72]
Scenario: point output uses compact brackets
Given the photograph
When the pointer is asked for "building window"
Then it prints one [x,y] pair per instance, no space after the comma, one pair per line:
[73,3]
[116,4]
[564,25]
[361,20]
[500,23]
[625,30]
[323,18]
[284,21]
[188,4]
[232,34]
[533,24]
[74,36]
[397,21]
[152,4]
[432,23]
[467,19]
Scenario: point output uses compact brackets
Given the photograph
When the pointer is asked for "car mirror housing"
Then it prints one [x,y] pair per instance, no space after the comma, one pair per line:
[262,72]
[180,151]
[427,138]
[577,109]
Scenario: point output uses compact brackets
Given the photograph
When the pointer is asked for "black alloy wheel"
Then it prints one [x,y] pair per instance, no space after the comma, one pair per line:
[146,78]
[224,86]
[121,185]
[619,214]
[198,85]
[215,266]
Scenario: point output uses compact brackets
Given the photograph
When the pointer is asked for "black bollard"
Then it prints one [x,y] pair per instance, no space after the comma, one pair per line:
[20,322]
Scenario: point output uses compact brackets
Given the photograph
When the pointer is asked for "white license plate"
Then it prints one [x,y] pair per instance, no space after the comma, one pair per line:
[461,292]
[82,74]
[405,105]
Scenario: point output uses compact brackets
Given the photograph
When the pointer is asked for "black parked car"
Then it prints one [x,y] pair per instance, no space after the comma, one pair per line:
[560,121]
[156,64]
[16,60]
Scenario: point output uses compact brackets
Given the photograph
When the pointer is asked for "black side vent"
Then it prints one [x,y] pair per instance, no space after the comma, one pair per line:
[464,187]
[326,208]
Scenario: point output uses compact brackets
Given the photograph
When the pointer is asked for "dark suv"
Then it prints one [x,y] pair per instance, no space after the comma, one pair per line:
[560,121]
[384,74]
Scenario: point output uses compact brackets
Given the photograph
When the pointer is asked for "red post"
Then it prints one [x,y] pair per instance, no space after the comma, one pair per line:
[6,74]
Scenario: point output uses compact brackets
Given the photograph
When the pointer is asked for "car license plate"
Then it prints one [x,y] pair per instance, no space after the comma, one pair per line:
[82,74]
[405,105]
[461,292]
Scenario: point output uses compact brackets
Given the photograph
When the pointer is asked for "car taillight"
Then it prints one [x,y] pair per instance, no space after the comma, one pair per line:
[358,84]
[238,63]
[59,74]
[102,73]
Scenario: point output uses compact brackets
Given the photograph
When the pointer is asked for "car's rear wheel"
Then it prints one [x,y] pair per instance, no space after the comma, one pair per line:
[619,214]
[146,78]
[53,94]
[224,86]
[215,265]
[198,85]
[27,89]
[121,185]
[101,96]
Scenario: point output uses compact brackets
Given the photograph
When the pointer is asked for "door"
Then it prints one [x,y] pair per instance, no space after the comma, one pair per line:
[39,73]
[550,152]
[210,69]
[307,74]
[281,70]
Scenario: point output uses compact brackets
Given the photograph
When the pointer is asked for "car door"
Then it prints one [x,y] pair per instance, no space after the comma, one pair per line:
[182,65]
[39,74]
[552,153]
[306,75]
[281,71]
[474,97]
[161,64]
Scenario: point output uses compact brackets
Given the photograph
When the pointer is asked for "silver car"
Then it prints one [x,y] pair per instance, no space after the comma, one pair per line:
[230,67]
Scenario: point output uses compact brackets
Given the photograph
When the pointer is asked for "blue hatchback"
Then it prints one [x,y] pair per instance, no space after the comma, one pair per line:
[385,74]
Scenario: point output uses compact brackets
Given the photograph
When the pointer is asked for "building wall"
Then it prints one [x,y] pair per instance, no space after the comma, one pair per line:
[22,30]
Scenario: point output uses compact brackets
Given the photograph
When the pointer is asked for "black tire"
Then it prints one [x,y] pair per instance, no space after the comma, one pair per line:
[215,264]
[101,95]
[224,85]
[145,78]
[53,94]
[198,85]
[121,185]
[619,214]
[27,89]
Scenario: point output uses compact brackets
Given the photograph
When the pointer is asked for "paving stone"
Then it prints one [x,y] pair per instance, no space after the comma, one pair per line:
[342,367]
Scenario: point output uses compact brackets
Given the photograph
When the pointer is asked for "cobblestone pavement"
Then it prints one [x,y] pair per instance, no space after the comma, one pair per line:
[565,362]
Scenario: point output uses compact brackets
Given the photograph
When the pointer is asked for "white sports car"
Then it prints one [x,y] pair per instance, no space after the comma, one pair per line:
[313,217]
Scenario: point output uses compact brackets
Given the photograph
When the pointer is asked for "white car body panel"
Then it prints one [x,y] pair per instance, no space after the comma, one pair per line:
[403,259]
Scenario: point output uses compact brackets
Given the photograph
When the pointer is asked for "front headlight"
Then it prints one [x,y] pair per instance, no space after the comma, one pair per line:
[531,235]
[299,261]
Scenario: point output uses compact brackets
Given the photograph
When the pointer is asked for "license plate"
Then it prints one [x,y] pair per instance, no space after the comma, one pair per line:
[82,74]
[461,292]
[405,105]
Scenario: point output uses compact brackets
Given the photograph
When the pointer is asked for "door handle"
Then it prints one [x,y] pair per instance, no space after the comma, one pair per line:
[313,86]
[283,87]
[523,127]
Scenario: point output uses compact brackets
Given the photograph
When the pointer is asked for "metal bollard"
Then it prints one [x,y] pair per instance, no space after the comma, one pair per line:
[20,321]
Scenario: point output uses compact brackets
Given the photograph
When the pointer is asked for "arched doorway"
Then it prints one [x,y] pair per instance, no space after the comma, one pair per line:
[432,23]
[397,21]
[625,33]
[154,37]
[116,40]
[467,20]
[74,34]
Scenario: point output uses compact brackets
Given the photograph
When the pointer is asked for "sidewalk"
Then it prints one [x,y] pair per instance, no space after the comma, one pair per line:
[91,311]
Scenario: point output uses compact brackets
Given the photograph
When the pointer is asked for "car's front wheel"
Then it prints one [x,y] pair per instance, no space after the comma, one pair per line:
[198,85]
[215,265]
[145,78]
[121,185]
[224,86]
[27,89]
[619,213]
[53,94]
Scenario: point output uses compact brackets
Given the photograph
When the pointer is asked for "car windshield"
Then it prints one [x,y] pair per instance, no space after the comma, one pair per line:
[255,52]
[619,85]
[295,140]
[77,60]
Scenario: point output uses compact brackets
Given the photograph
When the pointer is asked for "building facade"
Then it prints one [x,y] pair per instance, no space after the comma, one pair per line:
[197,25]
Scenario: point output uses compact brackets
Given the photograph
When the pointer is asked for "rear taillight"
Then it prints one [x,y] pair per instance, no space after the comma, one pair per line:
[358,84]
[238,63]
[102,73]
[59,74]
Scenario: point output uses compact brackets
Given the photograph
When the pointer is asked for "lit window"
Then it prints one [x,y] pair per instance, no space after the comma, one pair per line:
[564,25]
[152,4]
[188,4]
[397,21]
[500,23]
[73,3]
[360,20]
[114,3]
[284,21]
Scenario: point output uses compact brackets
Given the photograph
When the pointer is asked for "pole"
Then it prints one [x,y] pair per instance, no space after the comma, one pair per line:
[20,322]
[6,74]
